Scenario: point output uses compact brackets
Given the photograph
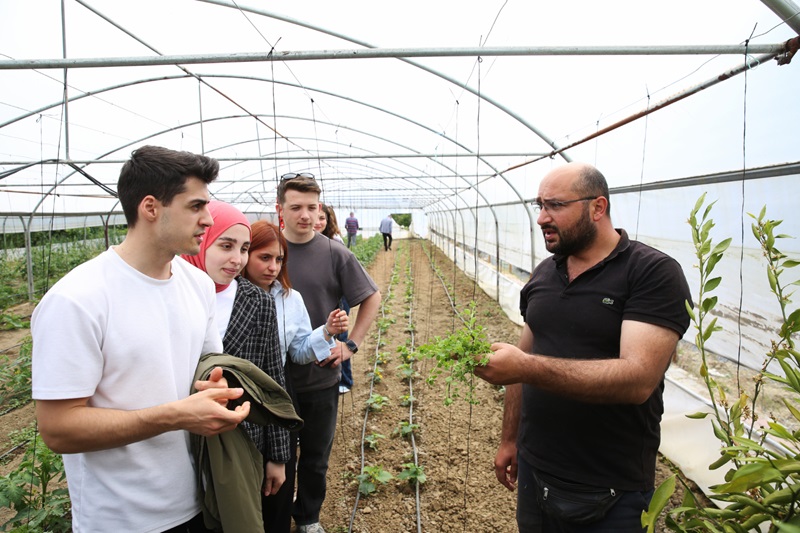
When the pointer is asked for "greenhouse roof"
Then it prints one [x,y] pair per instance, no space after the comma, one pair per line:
[394,106]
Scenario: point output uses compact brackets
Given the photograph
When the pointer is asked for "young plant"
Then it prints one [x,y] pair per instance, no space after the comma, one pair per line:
[376,376]
[28,491]
[371,440]
[406,400]
[383,324]
[382,358]
[413,474]
[407,372]
[458,355]
[376,402]
[9,321]
[405,429]
[370,478]
[761,490]
[15,377]
[406,354]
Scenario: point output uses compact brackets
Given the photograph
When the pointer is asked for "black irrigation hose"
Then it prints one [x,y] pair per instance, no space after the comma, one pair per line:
[411,344]
[411,392]
[14,449]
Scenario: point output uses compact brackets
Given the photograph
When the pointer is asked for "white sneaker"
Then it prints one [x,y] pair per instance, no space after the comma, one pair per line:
[316,527]
[343,389]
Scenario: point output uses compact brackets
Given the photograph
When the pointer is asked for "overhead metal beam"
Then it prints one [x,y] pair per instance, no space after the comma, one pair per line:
[294,158]
[787,10]
[391,53]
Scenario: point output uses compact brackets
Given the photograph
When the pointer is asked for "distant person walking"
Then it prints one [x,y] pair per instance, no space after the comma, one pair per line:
[351,225]
[386,230]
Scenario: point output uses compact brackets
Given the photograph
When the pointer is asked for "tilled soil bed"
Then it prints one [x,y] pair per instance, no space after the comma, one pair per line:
[454,444]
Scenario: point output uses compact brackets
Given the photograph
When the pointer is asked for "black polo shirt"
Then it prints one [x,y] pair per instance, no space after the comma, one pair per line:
[598,444]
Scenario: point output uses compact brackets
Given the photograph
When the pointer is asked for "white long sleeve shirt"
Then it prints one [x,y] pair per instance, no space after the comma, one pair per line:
[294,325]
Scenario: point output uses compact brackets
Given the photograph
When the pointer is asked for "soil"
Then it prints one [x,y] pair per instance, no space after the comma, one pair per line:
[455,444]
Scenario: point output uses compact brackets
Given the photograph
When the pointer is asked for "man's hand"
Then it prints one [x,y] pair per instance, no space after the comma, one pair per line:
[504,366]
[274,478]
[204,412]
[215,381]
[505,465]
[339,353]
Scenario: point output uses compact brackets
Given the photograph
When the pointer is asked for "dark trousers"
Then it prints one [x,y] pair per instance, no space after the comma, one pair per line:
[387,241]
[318,409]
[624,517]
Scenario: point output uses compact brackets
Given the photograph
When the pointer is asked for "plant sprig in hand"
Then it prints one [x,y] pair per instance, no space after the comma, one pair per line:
[458,355]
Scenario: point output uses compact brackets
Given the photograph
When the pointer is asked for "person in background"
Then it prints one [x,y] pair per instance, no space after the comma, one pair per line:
[352,227]
[331,229]
[266,268]
[321,221]
[247,323]
[328,227]
[603,317]
[115,346]
[324,272]
[386,230]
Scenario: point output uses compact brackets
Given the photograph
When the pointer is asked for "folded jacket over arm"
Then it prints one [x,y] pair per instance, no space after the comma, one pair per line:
[230,469]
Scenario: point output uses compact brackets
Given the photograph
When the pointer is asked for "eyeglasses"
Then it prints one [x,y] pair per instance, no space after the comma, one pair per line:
[293,175]
[552,206]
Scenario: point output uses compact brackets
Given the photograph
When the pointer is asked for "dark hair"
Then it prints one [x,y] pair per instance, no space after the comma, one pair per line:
[332,228]
[593,183]
[161,173]
[263,234]
[298,183]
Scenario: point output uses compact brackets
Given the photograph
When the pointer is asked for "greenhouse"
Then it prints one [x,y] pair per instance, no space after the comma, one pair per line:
[446,116]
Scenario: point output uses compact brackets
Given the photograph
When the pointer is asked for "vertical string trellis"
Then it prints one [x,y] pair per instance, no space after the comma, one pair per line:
[641,173]
[742,216]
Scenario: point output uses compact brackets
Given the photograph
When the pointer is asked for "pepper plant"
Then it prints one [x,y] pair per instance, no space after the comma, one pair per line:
[761,491]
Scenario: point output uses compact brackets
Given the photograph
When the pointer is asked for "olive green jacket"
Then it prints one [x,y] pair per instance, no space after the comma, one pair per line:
[230,469]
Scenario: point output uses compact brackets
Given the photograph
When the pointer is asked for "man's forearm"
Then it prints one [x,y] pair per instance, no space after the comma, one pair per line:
[511,413]
[367,312]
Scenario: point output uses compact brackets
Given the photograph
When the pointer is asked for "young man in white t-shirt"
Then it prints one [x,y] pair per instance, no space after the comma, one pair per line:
[115,347]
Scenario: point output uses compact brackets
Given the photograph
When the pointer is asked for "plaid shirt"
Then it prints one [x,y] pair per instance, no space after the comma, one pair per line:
[252,334]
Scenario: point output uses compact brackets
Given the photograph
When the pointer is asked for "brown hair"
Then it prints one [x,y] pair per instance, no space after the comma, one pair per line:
[263,234]
[161,173]
[333,226]
[298,183]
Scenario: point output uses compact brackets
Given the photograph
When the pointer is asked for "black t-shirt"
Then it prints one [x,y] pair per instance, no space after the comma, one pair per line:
[610,445]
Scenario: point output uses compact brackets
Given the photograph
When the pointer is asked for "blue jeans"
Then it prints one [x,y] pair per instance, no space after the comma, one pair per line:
[347,369]
[351,239]
[624,517]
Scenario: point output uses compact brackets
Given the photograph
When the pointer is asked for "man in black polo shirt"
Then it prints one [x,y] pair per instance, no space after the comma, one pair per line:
[583,400]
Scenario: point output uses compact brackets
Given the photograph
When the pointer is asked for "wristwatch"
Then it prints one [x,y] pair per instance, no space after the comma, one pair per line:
[351,345]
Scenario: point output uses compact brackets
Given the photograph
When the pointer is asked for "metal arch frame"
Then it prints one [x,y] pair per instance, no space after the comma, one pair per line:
[430,70]
[266,80]
[497,230]
[370,106]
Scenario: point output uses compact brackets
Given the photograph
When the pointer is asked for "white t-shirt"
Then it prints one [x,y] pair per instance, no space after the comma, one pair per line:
[225,299]
[126,341]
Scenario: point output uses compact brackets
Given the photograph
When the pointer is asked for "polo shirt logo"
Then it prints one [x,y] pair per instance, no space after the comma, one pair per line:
[608,301]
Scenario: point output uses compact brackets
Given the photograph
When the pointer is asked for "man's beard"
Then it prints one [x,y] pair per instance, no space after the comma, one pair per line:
[574,239]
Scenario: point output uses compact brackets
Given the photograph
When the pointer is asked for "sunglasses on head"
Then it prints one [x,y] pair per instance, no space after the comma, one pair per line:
[293,175]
